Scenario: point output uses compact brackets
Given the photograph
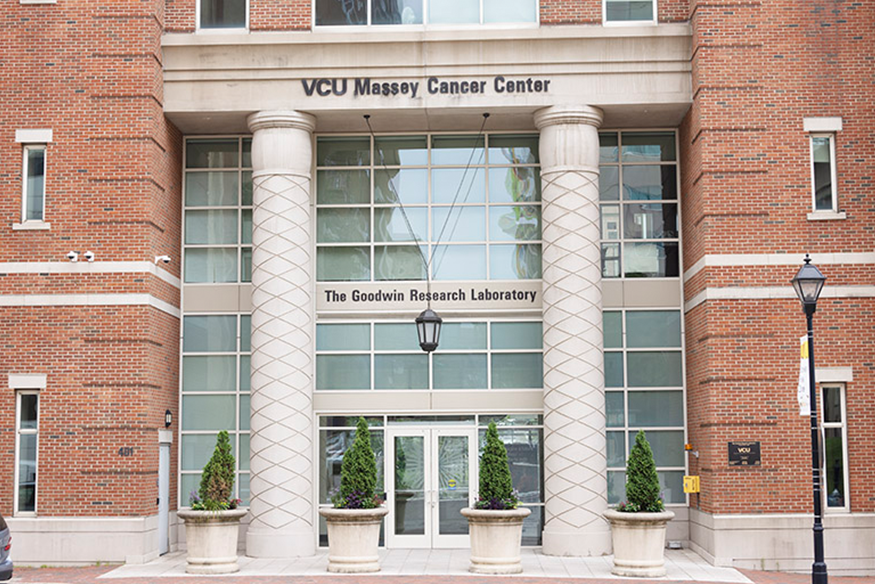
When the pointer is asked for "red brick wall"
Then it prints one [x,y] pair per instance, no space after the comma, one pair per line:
[758,70]
[92,73]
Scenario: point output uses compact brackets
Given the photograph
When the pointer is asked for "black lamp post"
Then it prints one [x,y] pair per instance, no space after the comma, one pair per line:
[808,283]
[428,327]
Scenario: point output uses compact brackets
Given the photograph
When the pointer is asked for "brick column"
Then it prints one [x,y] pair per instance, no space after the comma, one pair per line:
[282,515]
[575,464]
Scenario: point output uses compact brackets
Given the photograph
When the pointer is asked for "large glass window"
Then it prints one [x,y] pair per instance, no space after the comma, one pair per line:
[223,13]
[34,182]
[215,396]
[629,11]
[823,172]
[835,446]
[419,12]
[387,356]
[644,382]
[26,438]
[638,190]
[218,210]
[468,206]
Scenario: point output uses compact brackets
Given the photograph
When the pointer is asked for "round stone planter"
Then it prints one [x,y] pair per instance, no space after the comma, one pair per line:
[639,543]
[211,539]
[353,535]
[495,539]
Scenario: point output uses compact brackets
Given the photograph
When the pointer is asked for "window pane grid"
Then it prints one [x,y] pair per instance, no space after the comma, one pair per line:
[476,372]
[210,163]
[443,236]
[658,409]
[211,412]
[640,210]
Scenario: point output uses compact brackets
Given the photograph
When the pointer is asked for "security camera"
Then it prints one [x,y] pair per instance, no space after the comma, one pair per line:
[163,259]
[73,256]
[89,255]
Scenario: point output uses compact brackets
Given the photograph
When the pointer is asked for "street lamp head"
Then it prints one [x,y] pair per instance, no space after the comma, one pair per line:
[808,284]
[428,327]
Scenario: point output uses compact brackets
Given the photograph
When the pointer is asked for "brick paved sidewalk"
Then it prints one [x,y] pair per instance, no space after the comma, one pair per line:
[92,575]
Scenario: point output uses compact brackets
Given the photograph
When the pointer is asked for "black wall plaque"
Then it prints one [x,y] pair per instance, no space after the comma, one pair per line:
[744,454]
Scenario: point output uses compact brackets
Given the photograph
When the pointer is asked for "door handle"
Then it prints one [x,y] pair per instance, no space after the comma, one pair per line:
[433,498]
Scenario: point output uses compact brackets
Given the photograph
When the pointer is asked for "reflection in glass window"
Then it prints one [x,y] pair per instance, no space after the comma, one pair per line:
[638,191]
[27,428]
[629,11]
[412,12]
[479,223]
[835,447]
[34,182]
[823,174]
[223,13]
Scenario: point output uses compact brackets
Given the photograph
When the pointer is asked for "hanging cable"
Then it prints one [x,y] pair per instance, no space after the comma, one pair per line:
[427,262]
[459,190]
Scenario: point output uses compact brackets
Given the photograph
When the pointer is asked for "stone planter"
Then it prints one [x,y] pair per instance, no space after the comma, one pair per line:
[495,539]
[211,538]
[353,536]
[639,543]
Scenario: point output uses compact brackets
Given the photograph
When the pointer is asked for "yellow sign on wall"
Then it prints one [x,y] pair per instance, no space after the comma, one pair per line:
[691,484]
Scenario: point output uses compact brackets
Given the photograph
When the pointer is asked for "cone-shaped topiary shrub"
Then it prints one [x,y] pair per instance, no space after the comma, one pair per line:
[642,482]
[358,473]
[496,486]
[217,480]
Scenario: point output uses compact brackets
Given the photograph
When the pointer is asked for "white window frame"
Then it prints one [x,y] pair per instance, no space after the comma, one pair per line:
[606,22]
[24,169]
[425,23]
[832,169]
[219,30]
[843,426]
[18,432]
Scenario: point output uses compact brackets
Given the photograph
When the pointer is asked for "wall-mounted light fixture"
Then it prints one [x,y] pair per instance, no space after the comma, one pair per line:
[165,259]
[168,418]
[73,256]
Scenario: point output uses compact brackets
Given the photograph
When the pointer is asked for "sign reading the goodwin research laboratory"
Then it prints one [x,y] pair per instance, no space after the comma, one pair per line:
[414,296]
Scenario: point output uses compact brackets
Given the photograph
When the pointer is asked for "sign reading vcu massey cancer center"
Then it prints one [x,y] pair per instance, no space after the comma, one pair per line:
[414,296]
[365,86]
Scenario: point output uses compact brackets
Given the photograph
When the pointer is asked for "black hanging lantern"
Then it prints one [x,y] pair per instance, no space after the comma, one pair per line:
[428,327]
[168,418]
[808,283]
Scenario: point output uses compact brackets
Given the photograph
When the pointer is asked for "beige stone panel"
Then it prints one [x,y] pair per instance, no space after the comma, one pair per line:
[646,293]
[491,401]
[211,298]
[377,402]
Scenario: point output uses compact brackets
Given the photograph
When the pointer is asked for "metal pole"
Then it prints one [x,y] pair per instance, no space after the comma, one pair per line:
[818,569]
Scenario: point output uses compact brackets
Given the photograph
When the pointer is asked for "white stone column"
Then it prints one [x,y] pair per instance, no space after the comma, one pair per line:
[575,464]
[282,493]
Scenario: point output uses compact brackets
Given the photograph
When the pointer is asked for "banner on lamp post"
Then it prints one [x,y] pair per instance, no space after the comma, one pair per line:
[803,395]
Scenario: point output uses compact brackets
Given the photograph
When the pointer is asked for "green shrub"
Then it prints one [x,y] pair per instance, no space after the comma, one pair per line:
[496,486]
[642,482]
[358,473]
[217,480]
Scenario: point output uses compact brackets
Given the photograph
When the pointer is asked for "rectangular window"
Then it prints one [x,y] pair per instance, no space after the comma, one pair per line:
[223,13]
[640,214]
[26,433]
[468,206]
[835,448]
[419,12]
[629,11]
[34,182]
[215,396]
[218,210]
[644,379]
[471,355]
[823,172]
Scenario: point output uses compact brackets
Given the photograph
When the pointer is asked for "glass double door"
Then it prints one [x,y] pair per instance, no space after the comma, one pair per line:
[433,476]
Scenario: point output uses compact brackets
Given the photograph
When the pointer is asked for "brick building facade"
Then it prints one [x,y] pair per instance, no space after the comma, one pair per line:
[194,129]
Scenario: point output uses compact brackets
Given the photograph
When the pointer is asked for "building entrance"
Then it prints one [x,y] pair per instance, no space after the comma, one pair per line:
[433,475]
